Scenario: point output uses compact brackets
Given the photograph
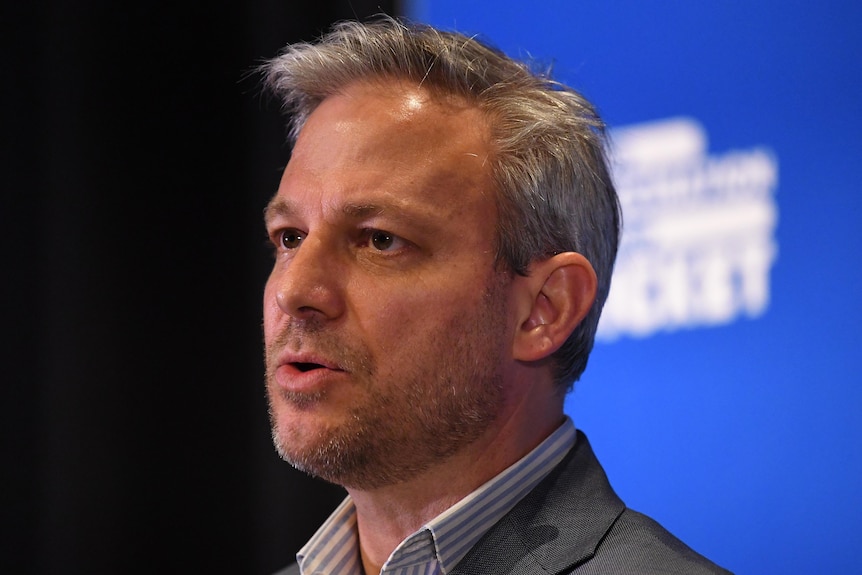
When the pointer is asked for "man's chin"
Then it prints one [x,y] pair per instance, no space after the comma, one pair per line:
[314,463]
[305,444]
[330,461]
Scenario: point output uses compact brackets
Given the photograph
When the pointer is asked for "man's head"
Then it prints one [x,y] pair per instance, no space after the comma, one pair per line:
[553,189]
[426,271]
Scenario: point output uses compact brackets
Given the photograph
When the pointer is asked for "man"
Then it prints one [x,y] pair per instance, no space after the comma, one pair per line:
[444,236]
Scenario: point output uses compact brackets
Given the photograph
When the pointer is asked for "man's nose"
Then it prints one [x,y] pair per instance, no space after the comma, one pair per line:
[309,285]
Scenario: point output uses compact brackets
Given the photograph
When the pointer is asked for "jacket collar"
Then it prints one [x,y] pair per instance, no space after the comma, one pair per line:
[556,526]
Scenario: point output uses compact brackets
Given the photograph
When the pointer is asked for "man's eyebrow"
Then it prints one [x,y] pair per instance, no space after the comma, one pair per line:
[281,208]
[362,210]
[277,208]
[418,217]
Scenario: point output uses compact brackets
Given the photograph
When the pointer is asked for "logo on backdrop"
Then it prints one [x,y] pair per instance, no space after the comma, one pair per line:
[698,231]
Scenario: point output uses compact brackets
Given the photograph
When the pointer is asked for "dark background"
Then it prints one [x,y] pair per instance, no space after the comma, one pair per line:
[137,158]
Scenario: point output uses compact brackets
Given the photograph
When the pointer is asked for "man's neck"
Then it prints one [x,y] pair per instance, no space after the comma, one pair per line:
[388,515]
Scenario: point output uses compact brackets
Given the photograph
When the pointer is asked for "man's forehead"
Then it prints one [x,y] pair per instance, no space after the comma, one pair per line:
[402,104]
[387,147]
[418,216]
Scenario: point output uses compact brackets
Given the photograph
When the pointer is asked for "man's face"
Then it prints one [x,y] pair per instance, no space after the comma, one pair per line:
[386,321]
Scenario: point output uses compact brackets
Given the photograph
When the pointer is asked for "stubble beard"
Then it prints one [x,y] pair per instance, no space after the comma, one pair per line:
[444,401]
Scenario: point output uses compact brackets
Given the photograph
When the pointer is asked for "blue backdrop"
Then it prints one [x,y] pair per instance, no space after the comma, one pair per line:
[724,397]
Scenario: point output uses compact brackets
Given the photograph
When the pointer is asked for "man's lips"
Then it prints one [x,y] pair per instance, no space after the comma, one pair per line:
[304,372]
[306,361]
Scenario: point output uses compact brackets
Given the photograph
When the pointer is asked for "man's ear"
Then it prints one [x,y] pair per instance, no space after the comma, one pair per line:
[553,299]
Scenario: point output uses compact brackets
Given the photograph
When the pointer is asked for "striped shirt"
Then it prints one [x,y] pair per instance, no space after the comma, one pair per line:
[442,542]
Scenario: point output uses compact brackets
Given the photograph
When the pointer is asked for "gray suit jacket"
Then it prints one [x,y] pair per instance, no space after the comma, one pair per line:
[574,523]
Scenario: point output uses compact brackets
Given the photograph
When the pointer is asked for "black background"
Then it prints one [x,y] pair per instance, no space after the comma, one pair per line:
[136,161]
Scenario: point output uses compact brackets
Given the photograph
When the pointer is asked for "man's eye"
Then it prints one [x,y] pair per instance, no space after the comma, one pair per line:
[289,239]
[384,241]
[381,240]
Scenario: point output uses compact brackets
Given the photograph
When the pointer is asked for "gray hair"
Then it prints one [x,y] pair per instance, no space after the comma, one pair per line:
[555,192]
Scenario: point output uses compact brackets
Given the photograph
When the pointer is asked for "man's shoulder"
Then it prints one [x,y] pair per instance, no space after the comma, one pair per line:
[632,542]
[637,543]
[573,522]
